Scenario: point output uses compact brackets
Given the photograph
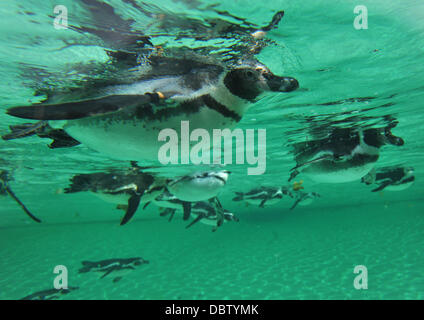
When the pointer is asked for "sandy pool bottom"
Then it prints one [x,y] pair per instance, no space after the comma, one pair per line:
[269,254]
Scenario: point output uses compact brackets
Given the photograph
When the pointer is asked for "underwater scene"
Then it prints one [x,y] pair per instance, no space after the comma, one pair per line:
[211,150]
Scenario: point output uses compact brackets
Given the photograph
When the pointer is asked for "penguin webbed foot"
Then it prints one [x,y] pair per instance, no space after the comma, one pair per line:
[24,130]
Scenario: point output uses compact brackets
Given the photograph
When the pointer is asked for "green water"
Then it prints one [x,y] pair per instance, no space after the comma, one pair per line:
[271,253]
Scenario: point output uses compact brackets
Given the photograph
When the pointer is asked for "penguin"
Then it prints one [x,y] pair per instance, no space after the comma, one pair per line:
[304,198]
[49,294]
[198,186]
[168,204]
[6,190]
[116,266]
[390,178]
[263,195]
[123,119]
[132,187]
[208,212]
[346,155]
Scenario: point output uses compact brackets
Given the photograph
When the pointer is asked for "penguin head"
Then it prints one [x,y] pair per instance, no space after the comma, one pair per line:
[278,194]
[249,81]
[390,138]
[409,171]
[229,216]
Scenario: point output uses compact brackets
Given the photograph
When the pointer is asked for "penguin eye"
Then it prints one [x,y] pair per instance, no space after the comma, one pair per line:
[250,74]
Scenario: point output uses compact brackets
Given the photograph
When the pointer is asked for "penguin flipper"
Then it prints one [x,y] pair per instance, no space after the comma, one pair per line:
[84,108]
[262,204]
[108,272]
[172,215]
[274,22]
[293,175]
[133,203]
[10,192]
[322,158]
[145,206]
[295,204]
[197,219]
[382,186]
[186,210]
[219,213]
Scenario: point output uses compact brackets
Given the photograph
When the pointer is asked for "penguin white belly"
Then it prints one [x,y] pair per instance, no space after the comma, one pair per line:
[399,187]
[113,198]
[124,137]
[197,189]
[339,176]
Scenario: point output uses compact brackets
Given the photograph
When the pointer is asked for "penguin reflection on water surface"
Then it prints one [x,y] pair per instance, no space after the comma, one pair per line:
[347,154]
[6,190]
[390,178]
[123,119]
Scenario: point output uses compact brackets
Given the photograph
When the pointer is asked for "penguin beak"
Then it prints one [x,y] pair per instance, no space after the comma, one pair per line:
[392,139]
[281,84]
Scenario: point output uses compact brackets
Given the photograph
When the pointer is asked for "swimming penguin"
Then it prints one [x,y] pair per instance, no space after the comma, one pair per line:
[123,119]
[130,187]
[304,198]
[198,186]
[116,266]
[208,212]
[169,203]
[263,195]
[49,294]
[390,178]
[6,190]
[347,154]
